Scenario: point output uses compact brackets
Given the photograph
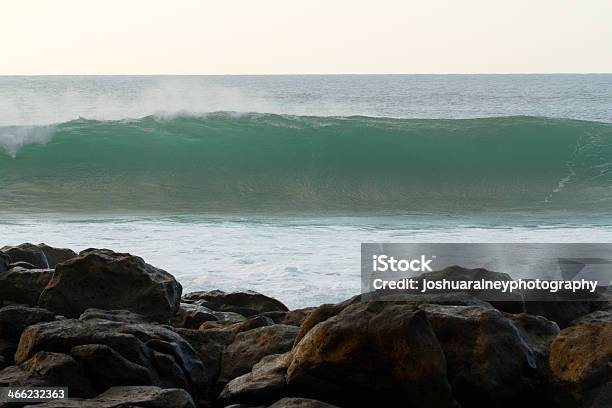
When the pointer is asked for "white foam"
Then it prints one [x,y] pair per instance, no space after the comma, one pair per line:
[12,139]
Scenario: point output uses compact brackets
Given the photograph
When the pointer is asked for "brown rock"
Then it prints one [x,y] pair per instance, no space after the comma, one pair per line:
[24,286]
[251,346]
[191,316]
[107,280]
[372,354]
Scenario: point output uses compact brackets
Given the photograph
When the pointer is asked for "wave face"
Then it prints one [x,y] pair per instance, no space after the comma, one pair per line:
[224,162]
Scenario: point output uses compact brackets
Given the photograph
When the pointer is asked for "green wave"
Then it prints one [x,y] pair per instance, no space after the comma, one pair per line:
[226,162]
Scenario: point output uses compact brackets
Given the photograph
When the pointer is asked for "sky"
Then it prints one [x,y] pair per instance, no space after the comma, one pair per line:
[304,36]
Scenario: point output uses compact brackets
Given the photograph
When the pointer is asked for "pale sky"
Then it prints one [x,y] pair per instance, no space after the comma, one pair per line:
[304,36]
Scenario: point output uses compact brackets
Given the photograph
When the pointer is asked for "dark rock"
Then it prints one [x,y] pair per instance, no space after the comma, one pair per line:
[24,265]
[13,320]
[300,403]
[107,280]
[46,369]
[507,302]
[169,359]
[56,255]
[24,286]
[251,346]
[106,368]
[254,323]
[226,318]
[594,317]
[129,397]
[247,303]
[265,384]
[277,317]
[372,354]
[191,316]
[321,314]
[5,260]
[124,316]
[563,306]
[27,252]
[581,365]
[488,362]
[539,333]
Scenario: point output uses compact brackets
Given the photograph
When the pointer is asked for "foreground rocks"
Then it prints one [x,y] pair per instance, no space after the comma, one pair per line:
[115,330]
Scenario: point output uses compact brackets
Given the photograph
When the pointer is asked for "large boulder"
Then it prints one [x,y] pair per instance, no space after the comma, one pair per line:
[105,279]
[249,347]
[581,365]
[169,360]
[124,316]
[13,320]
[27,252]
[46,369]
[247,303]
[538,332]
[56,255]
[24,286]
[266,383]
[124,397]
[372,354]
[488,362]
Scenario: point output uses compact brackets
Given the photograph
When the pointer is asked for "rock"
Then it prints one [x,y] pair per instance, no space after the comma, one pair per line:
[27,252]
[251,346]
[507,302]
[5,260]
[124,316]
[129,397]
[108,280]
[13,320]
[46,369]
[106,368]
[488,362]
[266,383]
[56,255]
[297,317]
[24,286]
[539,333]
[254,323]
[226,318]
[300,403]
[190,316]
[563,306]
[581,365]
[594,317]
[372,354]
[247,303]
[170,360]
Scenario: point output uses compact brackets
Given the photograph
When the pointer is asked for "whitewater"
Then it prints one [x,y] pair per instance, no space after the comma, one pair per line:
[271,183]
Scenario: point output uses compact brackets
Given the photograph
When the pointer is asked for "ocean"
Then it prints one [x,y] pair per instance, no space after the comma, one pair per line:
[271,183]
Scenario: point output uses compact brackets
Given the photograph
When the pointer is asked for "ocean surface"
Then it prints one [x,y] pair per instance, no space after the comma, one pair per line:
[272,182]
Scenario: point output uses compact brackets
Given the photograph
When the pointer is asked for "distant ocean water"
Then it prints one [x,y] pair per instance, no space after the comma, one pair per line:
[272,182]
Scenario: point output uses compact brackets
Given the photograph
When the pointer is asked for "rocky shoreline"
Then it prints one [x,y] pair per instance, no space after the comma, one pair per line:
[119,332]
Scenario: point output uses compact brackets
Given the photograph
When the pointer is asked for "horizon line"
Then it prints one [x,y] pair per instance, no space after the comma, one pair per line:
[305,74]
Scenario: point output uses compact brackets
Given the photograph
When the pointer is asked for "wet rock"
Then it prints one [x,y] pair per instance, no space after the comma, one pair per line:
[191,316]
[170,360]
[46,369]
[108,280]
[13,320]
[247,303]
[300,403]
[581,365]
[372,354]
[129,397]
[594,317]
[27,252]
[24,286]
[539,333]
[251,346]
[488,362]
[106,368]
[56,255]
[266,383]
[124,316]
[507,302]
[5,260]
